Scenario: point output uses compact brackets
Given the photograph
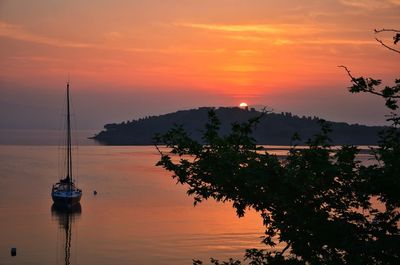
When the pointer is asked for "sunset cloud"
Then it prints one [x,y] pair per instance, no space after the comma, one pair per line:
[370,4]
[258,31]
[255,28]
[299,41]
[19,33]
[173,50]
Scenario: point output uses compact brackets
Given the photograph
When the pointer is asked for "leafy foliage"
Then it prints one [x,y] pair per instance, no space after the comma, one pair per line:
[320,203]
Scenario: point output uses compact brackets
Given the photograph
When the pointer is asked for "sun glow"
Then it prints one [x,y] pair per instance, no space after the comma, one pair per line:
[243,105]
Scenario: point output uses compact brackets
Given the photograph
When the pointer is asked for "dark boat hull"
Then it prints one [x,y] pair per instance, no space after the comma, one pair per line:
[67,201]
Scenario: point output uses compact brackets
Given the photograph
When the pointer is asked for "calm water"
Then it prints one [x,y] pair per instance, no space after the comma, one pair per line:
[44,137]
[140,216]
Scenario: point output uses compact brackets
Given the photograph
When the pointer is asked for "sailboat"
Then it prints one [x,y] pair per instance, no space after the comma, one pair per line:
[64,192]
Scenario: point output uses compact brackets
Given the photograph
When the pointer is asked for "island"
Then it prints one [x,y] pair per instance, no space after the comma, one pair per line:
[273,129]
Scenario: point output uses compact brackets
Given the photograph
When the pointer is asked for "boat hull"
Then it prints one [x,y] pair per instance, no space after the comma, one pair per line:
[67,199]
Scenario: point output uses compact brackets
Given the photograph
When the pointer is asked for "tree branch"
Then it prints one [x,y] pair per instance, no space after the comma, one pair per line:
[396,38]
[367,89]
[386,46]
[386,30]
[353,80]
[348,72]
[285,248]
[158,149]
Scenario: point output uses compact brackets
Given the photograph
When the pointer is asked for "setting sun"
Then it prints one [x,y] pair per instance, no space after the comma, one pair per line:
[243,105]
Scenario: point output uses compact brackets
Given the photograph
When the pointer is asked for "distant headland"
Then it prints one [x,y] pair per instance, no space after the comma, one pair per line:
[273,129]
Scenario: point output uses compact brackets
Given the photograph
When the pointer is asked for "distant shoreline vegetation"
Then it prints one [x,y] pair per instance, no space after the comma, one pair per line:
[274,128]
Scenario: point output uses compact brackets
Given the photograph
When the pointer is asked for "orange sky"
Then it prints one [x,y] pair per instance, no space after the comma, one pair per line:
[278,53]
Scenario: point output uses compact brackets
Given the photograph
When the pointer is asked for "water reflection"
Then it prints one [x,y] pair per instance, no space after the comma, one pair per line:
[65,217]
[143,216]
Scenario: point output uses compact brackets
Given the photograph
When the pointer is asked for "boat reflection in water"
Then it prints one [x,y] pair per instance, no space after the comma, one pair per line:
[65,216]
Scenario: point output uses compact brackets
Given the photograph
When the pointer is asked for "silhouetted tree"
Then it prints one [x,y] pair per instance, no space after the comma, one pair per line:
[323,205]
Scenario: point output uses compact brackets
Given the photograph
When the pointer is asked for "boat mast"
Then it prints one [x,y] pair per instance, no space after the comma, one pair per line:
[69,153]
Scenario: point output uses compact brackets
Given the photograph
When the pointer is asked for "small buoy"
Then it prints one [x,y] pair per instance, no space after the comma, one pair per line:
[94,192]
[13,252]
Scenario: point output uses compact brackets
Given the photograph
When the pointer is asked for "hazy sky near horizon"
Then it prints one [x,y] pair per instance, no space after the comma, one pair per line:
[127,59]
